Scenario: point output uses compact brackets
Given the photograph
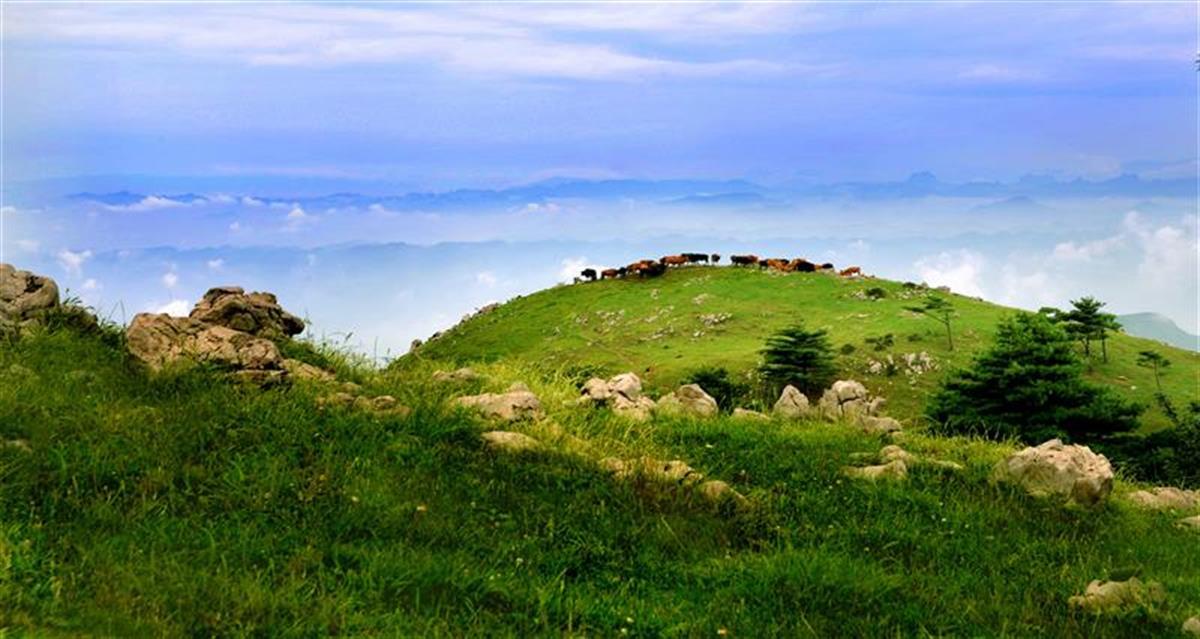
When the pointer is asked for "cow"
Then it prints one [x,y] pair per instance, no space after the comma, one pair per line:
[653,269]
[801,265]
[609,274]
[622,271]
[673,260]
[694,258]
[589,274]
[778,264]
[637,267]
[743,260]
[853,271]
[715,257]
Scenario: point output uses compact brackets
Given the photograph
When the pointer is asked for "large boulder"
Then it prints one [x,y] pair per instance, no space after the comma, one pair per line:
[1073,474]
[621,393]
[688,399]
[257,314]
[509,407]
[792,404]
[23,295]
[848,400]
[159,339]
[1116,596]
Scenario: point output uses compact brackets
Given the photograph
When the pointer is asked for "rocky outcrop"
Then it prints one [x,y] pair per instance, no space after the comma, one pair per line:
[1165,498]
[510,406]
[1115,596]
[508,442]
[848,400]
[668,477]
[792,404]
[456,376]
[382,405]
[622,394]
[690,400]
[1073,474]
[228,328]
[27,299]
[257,314]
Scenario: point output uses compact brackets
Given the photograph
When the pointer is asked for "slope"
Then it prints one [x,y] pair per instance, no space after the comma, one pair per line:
[719,316]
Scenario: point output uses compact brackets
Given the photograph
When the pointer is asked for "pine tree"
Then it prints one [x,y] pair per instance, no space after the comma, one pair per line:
[1086,322]
[799,357]
[1029,385]
[940,309]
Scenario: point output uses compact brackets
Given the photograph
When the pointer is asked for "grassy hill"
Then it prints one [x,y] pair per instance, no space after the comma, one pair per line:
[703,316]
[188,504]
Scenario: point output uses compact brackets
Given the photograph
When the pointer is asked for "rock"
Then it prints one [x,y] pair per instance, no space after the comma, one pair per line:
[894,470]
[1053,469]
[1163,498]
[688,399]
[626,384]
[745,413]
[21,445]
[159,339]
[946,465]
[893,453]
[622,393]
[510,406]
[613,465]
[672,472]
[849,400]
[1191,627]
[518,387]
[509,442]
[1189,523]
[717,491]
[383,405]
[1109,596]
[792,403]
[873,425]
[638,409]
[297,369]
[595,390]
[24,295]
[258,314]
[336,400]
[460,375]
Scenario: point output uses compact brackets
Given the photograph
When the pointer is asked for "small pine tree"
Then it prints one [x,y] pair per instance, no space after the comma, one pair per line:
[799,357]
[1155,362]
[1029,385]
[940,309]
[1087,323]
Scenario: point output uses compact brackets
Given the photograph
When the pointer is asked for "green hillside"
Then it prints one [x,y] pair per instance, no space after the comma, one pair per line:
[186,504]
[657,328]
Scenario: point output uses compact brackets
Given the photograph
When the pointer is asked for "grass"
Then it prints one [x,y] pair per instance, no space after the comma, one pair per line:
[188,505]
[655,328]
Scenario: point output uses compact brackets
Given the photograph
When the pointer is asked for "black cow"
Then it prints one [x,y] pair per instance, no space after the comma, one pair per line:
[589,274]
[744,260]
[716,257]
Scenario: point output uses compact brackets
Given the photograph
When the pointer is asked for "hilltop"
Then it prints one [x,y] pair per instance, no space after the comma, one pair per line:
[694,317]
[144,494]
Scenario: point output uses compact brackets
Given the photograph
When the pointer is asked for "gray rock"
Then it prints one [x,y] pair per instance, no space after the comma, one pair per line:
[1073,474]
[1114,596]
[508,407]
[690,400]
[509,442]
[792,404]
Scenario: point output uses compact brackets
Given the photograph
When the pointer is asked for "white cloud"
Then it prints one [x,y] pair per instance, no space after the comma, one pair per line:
[148,203]
[1169,253]
[215,264]
[250,201]
[1086,251]
[297,213]
[174,308]
[235,226]
[72,261]
[221,198]
[535,207]
[170,279]
[29,246]
[961,270]
[998,73]
[91,284]
[572,266]
[486,278]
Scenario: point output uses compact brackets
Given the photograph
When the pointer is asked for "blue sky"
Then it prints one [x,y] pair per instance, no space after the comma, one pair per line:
[437,95]
[258,110]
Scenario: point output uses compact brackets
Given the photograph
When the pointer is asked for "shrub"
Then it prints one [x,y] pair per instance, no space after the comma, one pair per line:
[799,357]
[716,382]
[882,342]
[1167,456]
[848,349]
[1029,385]
[876,293]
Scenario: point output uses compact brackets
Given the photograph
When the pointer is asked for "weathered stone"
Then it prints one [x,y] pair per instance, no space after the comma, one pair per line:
[848,400]
[336,400]
[459,375]
[1191,627]
[509,442]
[626,384]
[717,491]
[23,295]
[894,471]
[613,465]
[638,409]
[1189,523]
[383,405]
[874,425]
[1070,473]
[510,406]
[746,413]
[893,453]
[297,369]
[1165,497]
[792,404]
[688,399]
[159,339]
[1111,596]
[595,390]
[258,314]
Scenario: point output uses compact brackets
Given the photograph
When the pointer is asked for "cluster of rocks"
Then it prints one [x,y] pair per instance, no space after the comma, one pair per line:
[516,404]
[1114,596]
[381,405]
[849,401]
[622,394]
[672,475]
[227,327]
[27,299]
[911,364]
[714,319]
[893,463]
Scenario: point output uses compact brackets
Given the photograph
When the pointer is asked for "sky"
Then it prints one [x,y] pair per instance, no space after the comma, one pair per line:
[229,125]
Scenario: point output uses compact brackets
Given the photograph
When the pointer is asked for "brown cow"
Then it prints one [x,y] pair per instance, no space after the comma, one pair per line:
[853,271]
[743,260]
[609,274]
[673,260]
[778,264]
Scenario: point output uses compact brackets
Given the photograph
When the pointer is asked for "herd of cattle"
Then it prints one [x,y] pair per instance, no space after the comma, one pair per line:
[654,268]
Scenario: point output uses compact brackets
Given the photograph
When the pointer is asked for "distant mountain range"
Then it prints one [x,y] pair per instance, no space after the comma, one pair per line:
[1011,195]
[1160,328]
